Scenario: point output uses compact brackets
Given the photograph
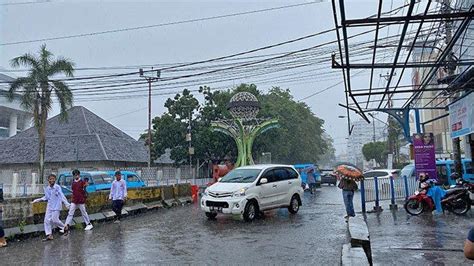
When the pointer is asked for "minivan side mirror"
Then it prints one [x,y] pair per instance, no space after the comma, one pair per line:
[263,180]
[219,179]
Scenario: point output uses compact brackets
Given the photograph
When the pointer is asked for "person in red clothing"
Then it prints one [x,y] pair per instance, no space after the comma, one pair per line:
[78,200]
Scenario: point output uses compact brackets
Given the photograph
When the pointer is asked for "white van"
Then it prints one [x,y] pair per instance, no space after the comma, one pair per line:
[250,190]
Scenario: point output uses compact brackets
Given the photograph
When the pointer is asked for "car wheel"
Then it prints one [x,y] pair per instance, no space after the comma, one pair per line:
[211,215]
[294,205]
[251,211]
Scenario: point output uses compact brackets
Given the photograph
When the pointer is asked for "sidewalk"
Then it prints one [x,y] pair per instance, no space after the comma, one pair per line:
[397,238]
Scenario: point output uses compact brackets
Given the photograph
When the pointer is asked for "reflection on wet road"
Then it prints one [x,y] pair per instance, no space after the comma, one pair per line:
[183,235]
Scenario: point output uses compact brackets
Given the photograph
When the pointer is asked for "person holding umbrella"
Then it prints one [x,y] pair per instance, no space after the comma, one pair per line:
[348,175]
[311,179]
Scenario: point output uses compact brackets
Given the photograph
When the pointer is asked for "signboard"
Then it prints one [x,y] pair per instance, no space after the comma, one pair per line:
[425,160]
[461,117]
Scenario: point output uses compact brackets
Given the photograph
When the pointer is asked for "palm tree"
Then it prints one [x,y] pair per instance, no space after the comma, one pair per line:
[36,90]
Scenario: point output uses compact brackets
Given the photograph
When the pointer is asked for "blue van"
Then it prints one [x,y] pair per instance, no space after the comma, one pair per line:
[132,178]
[302,168]
[98,180]
[444,169]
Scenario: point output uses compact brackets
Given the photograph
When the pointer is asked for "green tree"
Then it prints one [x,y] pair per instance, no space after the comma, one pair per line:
[375,150]
[37,89]
[328,158]
[299,137]
[395,132]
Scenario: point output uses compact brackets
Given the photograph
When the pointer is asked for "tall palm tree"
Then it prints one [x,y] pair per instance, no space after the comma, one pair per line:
[37,88]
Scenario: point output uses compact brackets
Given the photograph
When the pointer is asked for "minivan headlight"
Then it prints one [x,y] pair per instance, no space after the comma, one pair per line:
[239,193]
[205,192]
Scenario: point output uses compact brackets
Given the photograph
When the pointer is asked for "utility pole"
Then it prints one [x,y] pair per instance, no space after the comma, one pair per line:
[190,146]
[149,79]
[448,26]
[373,127]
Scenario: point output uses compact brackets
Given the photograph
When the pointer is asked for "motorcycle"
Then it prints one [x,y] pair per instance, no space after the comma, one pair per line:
[456,200]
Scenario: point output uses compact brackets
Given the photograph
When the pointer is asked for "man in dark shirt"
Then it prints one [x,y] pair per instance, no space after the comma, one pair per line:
[78,200]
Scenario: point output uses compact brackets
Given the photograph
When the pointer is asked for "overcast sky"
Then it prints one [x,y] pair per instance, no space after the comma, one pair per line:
[188,42]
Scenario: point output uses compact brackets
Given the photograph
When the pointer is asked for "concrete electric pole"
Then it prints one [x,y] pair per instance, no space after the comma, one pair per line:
[448,27]
[150,79]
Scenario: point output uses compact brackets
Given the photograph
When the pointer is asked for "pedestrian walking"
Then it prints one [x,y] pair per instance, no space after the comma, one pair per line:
[311,179]
[3,241]
[78,200]
[55,198]
[118,194]
[348,187]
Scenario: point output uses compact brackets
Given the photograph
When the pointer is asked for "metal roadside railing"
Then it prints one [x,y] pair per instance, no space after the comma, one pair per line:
[386,188]
[172,181]
[23,190]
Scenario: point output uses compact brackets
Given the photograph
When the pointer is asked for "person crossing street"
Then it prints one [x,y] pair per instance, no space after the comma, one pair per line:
[53,194]
[118,194]
[79,197]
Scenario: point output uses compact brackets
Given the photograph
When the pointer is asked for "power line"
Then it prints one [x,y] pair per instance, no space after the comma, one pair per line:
[25,3]
[127,113]
[158,25]
[328,88]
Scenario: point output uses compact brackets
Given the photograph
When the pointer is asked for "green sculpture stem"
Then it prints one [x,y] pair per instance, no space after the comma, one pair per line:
[244,138]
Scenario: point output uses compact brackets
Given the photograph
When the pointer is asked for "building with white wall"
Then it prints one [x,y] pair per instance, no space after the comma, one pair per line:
[363,133]
[13,118]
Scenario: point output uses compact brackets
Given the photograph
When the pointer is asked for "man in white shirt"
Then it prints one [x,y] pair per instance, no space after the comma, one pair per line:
[53,194]
[118,194]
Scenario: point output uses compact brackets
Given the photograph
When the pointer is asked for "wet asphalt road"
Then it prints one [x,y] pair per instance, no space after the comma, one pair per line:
[183,235]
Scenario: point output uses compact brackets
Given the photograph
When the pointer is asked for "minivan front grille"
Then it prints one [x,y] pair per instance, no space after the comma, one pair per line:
[219,194]
[217,204]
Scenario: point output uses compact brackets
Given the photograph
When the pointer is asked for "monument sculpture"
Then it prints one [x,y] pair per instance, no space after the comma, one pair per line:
[245,126]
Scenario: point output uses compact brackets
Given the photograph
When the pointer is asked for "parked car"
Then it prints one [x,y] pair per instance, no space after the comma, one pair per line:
[328,177]
[444,169]
[382,173]
[98,180]
[250,190]
[302,168]
[132,178]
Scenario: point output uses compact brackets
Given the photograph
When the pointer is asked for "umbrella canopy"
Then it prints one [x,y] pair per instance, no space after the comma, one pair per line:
[349,172]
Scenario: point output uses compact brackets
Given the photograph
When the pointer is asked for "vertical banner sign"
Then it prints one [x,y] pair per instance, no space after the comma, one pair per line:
[461,116]
[425,160]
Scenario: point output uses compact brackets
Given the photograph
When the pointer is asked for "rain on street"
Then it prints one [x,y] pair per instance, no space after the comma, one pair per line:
[184,235]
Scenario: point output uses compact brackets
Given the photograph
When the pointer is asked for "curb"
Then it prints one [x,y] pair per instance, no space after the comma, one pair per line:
[34,230]
[358,251]
[353,255]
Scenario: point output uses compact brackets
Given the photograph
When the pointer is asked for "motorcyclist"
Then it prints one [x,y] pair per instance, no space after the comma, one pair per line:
[435,192]
[423,182]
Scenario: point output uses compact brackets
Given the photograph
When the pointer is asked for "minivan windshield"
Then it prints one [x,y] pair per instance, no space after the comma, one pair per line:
[241,176]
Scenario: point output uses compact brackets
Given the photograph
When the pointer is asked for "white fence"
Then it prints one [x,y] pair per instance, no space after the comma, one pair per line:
[384,189]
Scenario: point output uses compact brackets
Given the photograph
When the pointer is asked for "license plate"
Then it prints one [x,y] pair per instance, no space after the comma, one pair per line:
[216,209]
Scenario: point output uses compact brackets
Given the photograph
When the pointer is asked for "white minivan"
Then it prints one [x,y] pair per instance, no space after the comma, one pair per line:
[250,190]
